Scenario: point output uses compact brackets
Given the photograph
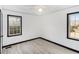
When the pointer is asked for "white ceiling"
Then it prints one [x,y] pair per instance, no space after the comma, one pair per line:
[32,9]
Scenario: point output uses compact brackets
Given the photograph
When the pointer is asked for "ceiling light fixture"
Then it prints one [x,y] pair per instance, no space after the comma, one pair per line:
[40,10]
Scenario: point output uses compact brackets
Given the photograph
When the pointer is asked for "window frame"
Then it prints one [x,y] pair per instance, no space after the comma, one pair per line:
[8,34]
[69,26]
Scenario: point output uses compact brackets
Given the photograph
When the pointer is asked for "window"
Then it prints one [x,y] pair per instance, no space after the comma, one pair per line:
[14,25]
[73,26]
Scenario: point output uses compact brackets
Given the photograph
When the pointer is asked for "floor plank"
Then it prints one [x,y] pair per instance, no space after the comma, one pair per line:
[37,46]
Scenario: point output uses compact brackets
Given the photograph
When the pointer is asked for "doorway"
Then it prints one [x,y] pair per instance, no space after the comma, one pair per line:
[0,33]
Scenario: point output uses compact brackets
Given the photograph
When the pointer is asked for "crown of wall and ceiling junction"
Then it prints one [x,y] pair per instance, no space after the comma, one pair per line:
[35,9]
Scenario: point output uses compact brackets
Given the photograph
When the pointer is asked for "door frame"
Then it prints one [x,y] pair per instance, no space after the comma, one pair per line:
[1,31]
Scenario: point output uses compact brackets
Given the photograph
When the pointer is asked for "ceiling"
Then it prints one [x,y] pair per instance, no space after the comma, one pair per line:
[33,9]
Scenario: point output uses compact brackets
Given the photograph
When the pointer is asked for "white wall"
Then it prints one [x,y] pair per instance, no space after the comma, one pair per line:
[54,28]
[51,26]
[30,27]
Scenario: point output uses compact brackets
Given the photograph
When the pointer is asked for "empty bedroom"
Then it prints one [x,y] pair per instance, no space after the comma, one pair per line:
[39,29]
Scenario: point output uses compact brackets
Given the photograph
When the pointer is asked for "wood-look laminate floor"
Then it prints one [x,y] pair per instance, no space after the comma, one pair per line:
[38,46]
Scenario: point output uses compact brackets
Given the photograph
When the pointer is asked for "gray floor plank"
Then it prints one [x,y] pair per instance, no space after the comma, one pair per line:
[38,46]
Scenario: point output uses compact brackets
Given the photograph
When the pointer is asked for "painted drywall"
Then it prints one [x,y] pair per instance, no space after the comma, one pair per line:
[51,26]
[30,26]
[54,27]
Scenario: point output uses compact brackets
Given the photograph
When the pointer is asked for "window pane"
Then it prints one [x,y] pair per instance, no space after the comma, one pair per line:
[14,25]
